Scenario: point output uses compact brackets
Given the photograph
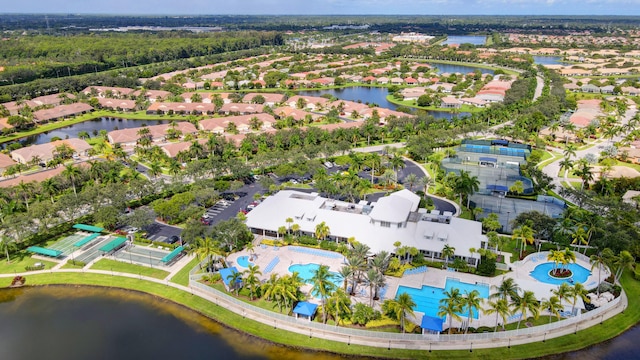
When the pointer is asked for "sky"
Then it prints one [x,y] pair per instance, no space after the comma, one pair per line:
[326,7]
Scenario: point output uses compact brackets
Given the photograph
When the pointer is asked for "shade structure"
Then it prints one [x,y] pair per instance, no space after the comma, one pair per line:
[44,251]
[431,323]
[86,240]
[114,244]
[305,308]
[172,254]
[88,228]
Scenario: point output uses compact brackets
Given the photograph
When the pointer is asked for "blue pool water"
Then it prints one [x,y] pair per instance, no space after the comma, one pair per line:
[244,261]
[541,273]
[428,298]
[306,273]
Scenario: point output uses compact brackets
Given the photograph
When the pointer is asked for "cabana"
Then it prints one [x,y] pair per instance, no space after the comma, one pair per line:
[44,251]
[431,325]
[305,309]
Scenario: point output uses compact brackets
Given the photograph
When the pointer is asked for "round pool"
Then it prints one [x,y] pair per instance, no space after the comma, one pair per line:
[541,273]
[244,261]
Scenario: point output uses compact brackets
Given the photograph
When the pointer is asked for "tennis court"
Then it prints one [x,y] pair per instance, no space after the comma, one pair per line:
[65,245]
[92,250]
[142,255]
[509,208]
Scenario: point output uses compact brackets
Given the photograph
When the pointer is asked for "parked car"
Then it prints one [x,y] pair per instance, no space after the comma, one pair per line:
[328,164]
[174,239]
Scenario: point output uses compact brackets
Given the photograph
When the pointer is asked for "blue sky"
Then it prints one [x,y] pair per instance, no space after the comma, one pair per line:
[328,7]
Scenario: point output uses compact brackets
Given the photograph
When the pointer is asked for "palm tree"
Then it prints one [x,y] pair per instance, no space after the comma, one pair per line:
[341,304]
[471,301]
[205,248]
[49,187]
[527,303]
[252,280]
[250,249]
[289,221]
[553,305]
[426,181]
[235,281]
[624,261]
[411,180]
[346,273]
[323,286]
[508,289]
[599,261]
[501,308]
[402,306]
[7,244]
[155,169]
[562,292]
[557,257]
[450,306]
[322,231]
[71,172]
[525,234]
[448,251]
[577,291]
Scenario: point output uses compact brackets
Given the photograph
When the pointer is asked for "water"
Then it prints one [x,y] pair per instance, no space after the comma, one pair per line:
[541,273]
[454,68]
[371,95]
[428,298]
[466,39]
[64,323]
[549,60]
[244,261]
[306,273]
[90,126]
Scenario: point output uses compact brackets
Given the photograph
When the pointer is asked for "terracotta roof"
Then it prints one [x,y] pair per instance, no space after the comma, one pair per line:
[46,151]
[61,111]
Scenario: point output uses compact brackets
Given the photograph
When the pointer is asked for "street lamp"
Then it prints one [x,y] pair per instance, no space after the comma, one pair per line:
[508,215]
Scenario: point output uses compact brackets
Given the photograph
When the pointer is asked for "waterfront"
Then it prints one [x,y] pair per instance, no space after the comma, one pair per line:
[465,39]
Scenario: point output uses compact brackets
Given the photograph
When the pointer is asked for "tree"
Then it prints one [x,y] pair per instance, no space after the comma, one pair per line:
[341,305]
[205,248]
[525,234]
[426,181]
[508,289]
[471,302]
[71,172]
[501,308]
[411,180]
[235,281]
[252,281]
[553,306]
[450,306]
[562,292]
[624,261]
[401,307]
[599,261]
[578,291]
[322,231]
[7,244]
[527,304]
[448,251]
[323,286]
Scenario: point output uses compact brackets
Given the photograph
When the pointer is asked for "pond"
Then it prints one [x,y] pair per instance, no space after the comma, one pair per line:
[455,68]
[90,126]
[465,39]
[87,322]
[371,95]
[549,60]
[100,323]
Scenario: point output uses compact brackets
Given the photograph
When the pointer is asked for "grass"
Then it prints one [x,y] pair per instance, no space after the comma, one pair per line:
[182,276]
[113,265]
[19,262]
[412,103]
[584,338]
[69,265]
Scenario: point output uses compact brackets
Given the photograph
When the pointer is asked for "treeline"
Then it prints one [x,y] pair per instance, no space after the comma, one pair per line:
[44,56]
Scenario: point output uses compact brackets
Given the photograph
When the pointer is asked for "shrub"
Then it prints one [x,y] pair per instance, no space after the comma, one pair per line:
[487,266]
[385,321]
[308,240]
[364,313]
[328,245]
[77,263]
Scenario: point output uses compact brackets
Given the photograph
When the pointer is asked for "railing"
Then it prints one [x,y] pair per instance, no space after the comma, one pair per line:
[375,338]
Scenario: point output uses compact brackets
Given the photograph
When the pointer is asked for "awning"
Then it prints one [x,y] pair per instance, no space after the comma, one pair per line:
[44,251]
[305,308]
[88,228]
[431,323]
[488,159]
[114,244]
[86,240]
[172,254]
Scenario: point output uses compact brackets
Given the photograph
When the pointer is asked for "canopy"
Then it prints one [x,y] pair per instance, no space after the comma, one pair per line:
[502,188]
[305,308]
[44,251]
[88,228]
[488,159]
[86,240]
[172,254]
[226,272]
[431,323]
[114,244]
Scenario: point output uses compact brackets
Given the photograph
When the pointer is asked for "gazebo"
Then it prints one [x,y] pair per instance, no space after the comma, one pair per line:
[305,309]
[431,325]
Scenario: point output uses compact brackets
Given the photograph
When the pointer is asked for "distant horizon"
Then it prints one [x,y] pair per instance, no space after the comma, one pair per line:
[327,7]
[311,15]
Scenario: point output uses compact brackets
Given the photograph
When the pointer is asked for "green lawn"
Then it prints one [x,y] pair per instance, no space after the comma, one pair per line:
[19,262]
[69,265]
[113,265]
[182,276]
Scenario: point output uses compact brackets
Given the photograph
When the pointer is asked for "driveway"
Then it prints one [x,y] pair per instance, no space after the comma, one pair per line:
[162,232]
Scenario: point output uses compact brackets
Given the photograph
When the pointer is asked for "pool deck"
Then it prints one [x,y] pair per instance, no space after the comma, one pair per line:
[265,257]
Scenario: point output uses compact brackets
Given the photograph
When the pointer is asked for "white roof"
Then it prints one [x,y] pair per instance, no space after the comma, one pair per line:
[351,220]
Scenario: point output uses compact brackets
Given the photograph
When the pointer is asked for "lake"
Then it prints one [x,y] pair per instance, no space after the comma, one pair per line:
[69,323]
[371,95]
[89,126]
[465,39]
[549,60]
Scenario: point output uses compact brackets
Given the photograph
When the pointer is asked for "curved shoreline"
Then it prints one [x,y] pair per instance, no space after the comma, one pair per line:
[184,296]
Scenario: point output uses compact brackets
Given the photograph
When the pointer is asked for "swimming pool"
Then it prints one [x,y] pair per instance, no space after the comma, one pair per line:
[541,273]
[244,261]
[306,273]
[428,298]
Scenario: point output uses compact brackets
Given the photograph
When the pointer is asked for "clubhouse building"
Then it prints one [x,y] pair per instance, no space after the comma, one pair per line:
[378,224]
